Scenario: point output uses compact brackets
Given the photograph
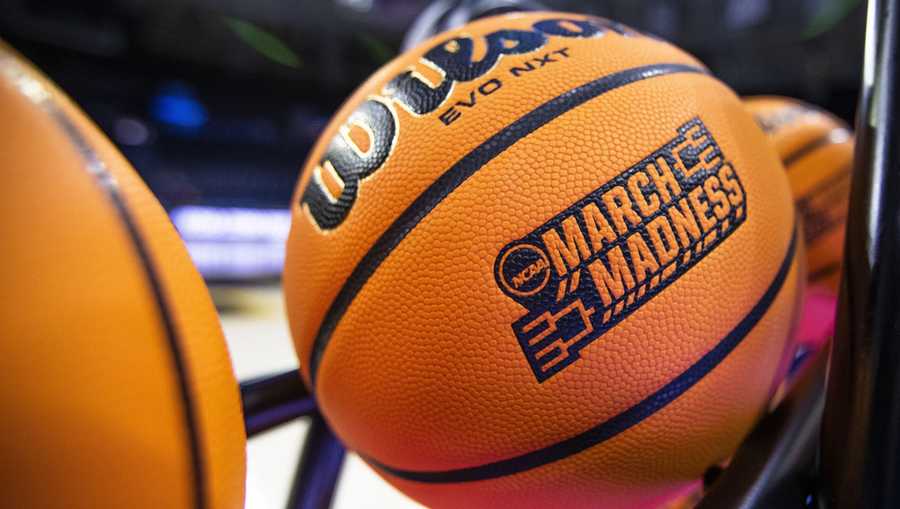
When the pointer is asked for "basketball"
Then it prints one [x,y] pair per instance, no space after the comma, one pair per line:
[817,151]
[542,260]
[117,380]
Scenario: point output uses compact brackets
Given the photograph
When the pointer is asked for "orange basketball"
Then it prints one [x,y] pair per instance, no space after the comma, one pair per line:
[118,389]
[542,260]
[817,150]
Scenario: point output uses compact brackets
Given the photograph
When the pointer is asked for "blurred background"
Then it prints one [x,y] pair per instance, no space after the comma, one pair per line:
[216,104]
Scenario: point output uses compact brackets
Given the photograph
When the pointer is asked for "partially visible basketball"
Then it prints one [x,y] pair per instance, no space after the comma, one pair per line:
[542,260]
[817,151]
[117,386]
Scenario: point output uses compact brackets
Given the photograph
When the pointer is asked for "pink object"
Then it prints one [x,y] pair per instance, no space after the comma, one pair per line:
[815,328]
[816,325]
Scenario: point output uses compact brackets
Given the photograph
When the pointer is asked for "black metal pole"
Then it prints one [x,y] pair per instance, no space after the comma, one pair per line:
[443,15]
[860,446]
[775,466]
[273,400]
[317,472]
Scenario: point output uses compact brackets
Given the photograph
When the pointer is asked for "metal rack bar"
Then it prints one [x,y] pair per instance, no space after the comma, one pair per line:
[273,400]
[860,446]
[318,470]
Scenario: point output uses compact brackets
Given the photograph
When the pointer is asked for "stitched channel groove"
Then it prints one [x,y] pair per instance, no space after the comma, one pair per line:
[459,173]
[623,421]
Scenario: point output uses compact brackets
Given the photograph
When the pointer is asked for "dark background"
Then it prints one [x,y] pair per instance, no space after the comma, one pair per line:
[216,102]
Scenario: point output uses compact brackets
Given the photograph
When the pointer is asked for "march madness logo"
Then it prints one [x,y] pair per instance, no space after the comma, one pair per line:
[598,261]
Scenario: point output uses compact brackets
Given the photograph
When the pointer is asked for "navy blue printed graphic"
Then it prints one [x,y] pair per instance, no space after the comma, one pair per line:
[462,170]
[595,263]
[628,418]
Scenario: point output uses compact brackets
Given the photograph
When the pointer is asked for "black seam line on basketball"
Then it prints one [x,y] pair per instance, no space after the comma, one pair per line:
[462,170]
[811,146]
[623,421]
[825,271]
[108,184]
[834,178]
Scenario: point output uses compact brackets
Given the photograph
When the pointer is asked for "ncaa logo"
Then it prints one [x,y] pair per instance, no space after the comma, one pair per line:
[523,270]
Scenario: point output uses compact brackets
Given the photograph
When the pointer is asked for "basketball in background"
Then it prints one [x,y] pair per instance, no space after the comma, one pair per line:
[817,151]
[117,385]
[542,260]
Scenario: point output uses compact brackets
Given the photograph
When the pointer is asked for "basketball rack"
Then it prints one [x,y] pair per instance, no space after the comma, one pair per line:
[834,442]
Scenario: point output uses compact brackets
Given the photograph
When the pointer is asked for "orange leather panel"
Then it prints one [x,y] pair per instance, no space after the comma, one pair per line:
[677,444]
[817,148]
[425,149]
[95,414]
[423,371]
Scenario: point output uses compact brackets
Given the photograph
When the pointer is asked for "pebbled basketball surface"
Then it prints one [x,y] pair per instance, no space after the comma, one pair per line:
[117,386]
[417,334]
[817,150]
